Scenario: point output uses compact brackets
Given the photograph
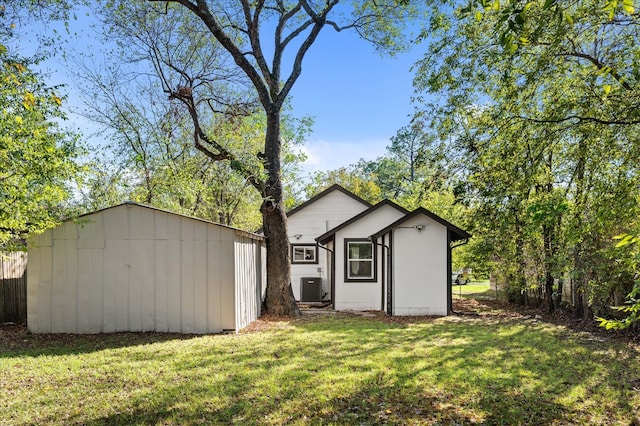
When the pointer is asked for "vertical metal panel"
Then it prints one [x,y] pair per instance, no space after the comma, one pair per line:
[200,283]
[141,223]
[187,284]
[214,278]
[96,307]
[116,221]
[58,284]
[227,290]
[160,224]
[148,284]
[115,288]
[173,286]
[91,231]
[70,282]
[200,230]
[186,229]
[136,275]
[85,276]
[33,280]
[46,239]
[59,232]
[246,280]
[161,282]
[44,289]
[70,230]
[173,227]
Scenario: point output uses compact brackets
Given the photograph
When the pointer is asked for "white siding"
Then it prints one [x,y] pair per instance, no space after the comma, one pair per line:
[312,221]
[133,268]
[420,268]
[361,295]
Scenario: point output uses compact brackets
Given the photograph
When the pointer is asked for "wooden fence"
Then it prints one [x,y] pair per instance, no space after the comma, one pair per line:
[13,287]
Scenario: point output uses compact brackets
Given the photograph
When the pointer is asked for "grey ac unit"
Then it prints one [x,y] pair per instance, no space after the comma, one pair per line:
[311,289]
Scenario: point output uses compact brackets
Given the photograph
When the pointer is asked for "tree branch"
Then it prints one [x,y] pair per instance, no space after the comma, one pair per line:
[579,119]
[201,10]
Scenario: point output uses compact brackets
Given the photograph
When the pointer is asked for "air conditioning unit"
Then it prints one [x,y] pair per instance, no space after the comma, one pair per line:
[310,289]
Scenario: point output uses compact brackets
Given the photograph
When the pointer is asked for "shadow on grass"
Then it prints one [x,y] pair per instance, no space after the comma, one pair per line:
[369,372]
[16,341]
[351,370]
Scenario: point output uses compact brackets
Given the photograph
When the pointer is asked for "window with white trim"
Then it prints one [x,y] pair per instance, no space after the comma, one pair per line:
[359,260]
[304,253]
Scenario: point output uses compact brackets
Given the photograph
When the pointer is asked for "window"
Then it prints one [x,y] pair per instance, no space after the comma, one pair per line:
[304,253]
[360,260]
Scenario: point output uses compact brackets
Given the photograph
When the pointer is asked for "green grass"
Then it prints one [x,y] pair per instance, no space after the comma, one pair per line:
[495,368]
[477,289]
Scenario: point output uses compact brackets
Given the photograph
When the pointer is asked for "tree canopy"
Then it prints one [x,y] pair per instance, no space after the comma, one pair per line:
[37,156]
[538,108]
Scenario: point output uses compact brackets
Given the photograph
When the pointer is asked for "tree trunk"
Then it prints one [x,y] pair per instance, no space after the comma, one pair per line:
[280,299]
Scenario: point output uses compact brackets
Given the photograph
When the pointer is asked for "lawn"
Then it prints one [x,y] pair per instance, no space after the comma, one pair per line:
[477,289]
[495,367]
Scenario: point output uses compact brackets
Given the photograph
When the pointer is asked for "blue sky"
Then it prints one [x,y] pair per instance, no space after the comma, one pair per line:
[358,98]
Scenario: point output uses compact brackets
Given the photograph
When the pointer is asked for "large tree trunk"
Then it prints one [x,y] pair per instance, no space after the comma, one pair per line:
[280,299]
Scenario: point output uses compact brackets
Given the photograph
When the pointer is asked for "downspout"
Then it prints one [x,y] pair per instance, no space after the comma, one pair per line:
[384,276]
[384,280]
[331,282]
[390,284]
[448,278]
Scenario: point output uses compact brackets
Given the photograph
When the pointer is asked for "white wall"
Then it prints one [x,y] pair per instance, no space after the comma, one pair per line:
[312,221]
[132,268]
[361,295]
[420,268]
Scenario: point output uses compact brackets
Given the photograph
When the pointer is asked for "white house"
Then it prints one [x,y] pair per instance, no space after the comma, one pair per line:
[379,257]
[310,262]
[137,268]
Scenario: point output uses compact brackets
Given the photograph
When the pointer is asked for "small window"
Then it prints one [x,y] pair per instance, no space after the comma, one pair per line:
[304,253]
[360,260]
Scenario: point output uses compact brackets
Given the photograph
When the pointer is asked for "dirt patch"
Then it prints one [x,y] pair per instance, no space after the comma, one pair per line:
[560,317]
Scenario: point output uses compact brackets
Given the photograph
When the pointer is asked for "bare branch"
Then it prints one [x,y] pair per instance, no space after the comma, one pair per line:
[580,119]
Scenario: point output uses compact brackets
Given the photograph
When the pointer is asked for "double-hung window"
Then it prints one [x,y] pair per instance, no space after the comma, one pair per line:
[359,260]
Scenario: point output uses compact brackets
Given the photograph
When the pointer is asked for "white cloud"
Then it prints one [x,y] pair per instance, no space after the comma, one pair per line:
[330,155]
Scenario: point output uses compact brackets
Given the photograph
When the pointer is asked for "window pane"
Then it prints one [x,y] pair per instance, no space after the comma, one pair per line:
[360,251]
[298,254]
[360,269]
[309,254]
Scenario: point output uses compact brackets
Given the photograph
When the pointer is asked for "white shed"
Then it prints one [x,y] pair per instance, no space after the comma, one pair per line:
[137,268]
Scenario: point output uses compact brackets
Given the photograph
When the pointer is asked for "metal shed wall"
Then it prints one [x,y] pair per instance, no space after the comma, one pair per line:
[135,268]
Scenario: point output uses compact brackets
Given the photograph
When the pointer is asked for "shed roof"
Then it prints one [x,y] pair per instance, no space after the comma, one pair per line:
[326,237]
[131,203]
[457,233]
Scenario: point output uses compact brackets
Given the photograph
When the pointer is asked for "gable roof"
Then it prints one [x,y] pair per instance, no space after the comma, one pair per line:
[324,238]
[144,206]
[456,233]
[334,187]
